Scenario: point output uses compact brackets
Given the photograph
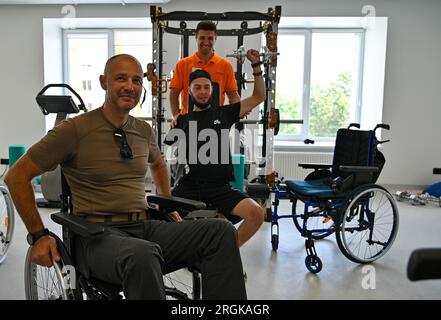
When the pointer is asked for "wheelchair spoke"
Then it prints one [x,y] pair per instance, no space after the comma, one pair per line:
[370,224]
[319,221]
[383,235]
[180,281]
[358,243]
[45,284]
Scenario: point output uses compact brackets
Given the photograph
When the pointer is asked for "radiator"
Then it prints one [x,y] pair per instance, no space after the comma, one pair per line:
[287,163]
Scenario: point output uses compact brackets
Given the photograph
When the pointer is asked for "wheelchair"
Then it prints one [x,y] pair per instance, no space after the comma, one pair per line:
[342,198]
[65,282]
[6,222]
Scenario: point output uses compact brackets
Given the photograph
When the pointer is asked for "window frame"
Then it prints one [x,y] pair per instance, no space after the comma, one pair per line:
[110,32]
[66,57]
[281,140]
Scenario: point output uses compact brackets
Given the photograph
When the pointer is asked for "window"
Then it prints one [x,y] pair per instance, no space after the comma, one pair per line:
[138,43]
[318,81]
[86,52]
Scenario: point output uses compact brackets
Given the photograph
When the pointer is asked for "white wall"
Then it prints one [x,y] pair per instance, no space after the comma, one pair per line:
[413,71]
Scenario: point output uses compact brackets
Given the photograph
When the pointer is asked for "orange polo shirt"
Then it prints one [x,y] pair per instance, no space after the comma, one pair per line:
[220,70]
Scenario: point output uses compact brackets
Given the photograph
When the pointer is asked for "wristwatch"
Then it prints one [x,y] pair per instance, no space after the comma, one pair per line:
[33,237]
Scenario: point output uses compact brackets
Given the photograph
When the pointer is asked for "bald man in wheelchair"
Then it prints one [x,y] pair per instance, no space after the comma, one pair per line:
[105,154]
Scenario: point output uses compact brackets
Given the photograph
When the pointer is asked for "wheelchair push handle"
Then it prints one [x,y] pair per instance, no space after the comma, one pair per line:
[355,125]
[382,126]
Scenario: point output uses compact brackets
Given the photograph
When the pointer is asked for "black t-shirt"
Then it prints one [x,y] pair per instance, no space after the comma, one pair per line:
[207,146]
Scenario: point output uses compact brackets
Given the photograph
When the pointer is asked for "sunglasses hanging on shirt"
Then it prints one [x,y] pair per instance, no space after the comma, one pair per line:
[124,148]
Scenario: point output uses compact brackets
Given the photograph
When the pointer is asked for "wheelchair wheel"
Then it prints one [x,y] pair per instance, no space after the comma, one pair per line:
[56,283]
[275,241]
[275,235]
[313,263]
[6,222]
[176,285]
[315,222]
[183,284]
[369,224]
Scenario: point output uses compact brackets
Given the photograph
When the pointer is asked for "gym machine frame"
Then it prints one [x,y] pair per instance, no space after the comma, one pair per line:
[270,119]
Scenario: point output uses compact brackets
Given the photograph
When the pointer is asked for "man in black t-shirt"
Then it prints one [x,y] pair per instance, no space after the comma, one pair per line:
[205,132]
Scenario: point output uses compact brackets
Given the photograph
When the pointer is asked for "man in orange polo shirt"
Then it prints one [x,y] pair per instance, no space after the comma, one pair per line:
[220,70]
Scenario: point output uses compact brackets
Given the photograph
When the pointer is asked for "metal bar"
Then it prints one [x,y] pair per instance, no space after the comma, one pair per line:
[226,16]
[184,46]
[155,58]
[239,126]
[239,67]
[257,121]
[244,121]
[160,114]
[220,32]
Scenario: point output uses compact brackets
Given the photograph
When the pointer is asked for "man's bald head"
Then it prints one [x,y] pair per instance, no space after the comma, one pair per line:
[122,81]
[119,57]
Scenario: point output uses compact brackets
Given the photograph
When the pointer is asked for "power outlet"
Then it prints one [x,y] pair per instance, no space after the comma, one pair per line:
[436,170]
[4,161]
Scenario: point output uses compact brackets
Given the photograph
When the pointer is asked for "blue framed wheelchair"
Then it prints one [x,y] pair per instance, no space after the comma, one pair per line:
[64,281]
[342,198]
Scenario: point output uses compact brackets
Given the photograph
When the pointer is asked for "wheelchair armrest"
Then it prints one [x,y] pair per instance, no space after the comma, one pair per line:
[77,224]
[315,166]
[173,203]
[201,214]
[424,264]
[358,169]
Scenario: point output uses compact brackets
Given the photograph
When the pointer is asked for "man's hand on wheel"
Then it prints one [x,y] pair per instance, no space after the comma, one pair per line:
[44,251]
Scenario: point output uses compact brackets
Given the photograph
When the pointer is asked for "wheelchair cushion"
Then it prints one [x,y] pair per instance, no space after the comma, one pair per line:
[315,188]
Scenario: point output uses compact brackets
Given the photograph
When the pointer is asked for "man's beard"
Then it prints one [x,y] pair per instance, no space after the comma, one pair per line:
[201,106]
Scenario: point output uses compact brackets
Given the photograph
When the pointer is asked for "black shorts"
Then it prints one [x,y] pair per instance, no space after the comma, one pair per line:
[220,196]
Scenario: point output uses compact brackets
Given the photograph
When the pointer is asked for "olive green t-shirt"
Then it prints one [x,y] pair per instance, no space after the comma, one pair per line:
[101,181]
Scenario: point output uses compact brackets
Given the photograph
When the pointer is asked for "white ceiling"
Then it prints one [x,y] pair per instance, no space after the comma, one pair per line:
[79,1]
